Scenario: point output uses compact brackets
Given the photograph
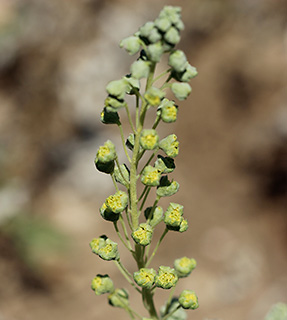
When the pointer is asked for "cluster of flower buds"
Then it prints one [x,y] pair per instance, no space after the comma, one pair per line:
[150,42]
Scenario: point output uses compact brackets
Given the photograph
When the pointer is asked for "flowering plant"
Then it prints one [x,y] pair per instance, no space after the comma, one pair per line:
[127,207]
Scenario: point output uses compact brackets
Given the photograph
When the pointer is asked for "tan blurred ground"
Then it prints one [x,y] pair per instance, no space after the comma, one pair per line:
[55,59]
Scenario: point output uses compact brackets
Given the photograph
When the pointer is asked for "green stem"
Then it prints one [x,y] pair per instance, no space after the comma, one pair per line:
[144,199]
[124,142]
[130,119]
[125,232]
[161,75]
[121,173]
[149,303]
[171,313]
[156,247]
[126,244]
[114,181]
[126,274]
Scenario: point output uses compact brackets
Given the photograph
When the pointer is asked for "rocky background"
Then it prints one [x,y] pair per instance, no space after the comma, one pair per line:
[56,57]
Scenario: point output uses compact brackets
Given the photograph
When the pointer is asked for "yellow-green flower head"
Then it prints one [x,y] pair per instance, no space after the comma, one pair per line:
[168,111]
[277,312]
[117,88]
[149,139]
[119,298]
[166,278]
[143,234]
[102,284]
[170,145]
[167,188]
[131,44]
[150,176]
[108,214]
[172,36]
[154,217]
[98,243]
[177,60]
[109,251]
[154,51]
[117,202]
[109,116]
[170,307]
[181,90]
[184,266]
[140,69]
[106,153]
[173,215]
[154,96]
[122,175]
[188,299]
[164,164]
[145,277]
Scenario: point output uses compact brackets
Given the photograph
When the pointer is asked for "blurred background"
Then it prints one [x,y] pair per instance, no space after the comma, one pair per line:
[56,57]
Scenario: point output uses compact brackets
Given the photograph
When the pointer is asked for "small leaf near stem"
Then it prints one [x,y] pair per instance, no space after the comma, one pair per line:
[120,170]
[144,199]
[171,313]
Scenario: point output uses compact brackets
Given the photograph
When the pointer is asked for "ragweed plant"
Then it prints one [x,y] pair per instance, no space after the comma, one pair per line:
[140,175]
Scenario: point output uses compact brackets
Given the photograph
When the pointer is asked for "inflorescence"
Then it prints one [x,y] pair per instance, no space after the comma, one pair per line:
[128,208]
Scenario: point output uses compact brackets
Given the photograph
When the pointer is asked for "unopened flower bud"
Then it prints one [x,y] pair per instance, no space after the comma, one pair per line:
[145,277]
[140,69]
[154,96]
[164,164]
[106,153]
[170,145]
[181,90]
[184,266]
[108,214]
[168,111]
[149,139]
[173,13]
[155,217]
[155,51]
[110,117]
[150,176]
[166,278]
[146,29]
[167,188]
[122,175]
[117,202]
[189,73]
[172,36]
[143,234]
[131,44]
[163,24]
[177,60]
[102,284]
[173,215]
[188,299]
[117,88]
[119,298]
